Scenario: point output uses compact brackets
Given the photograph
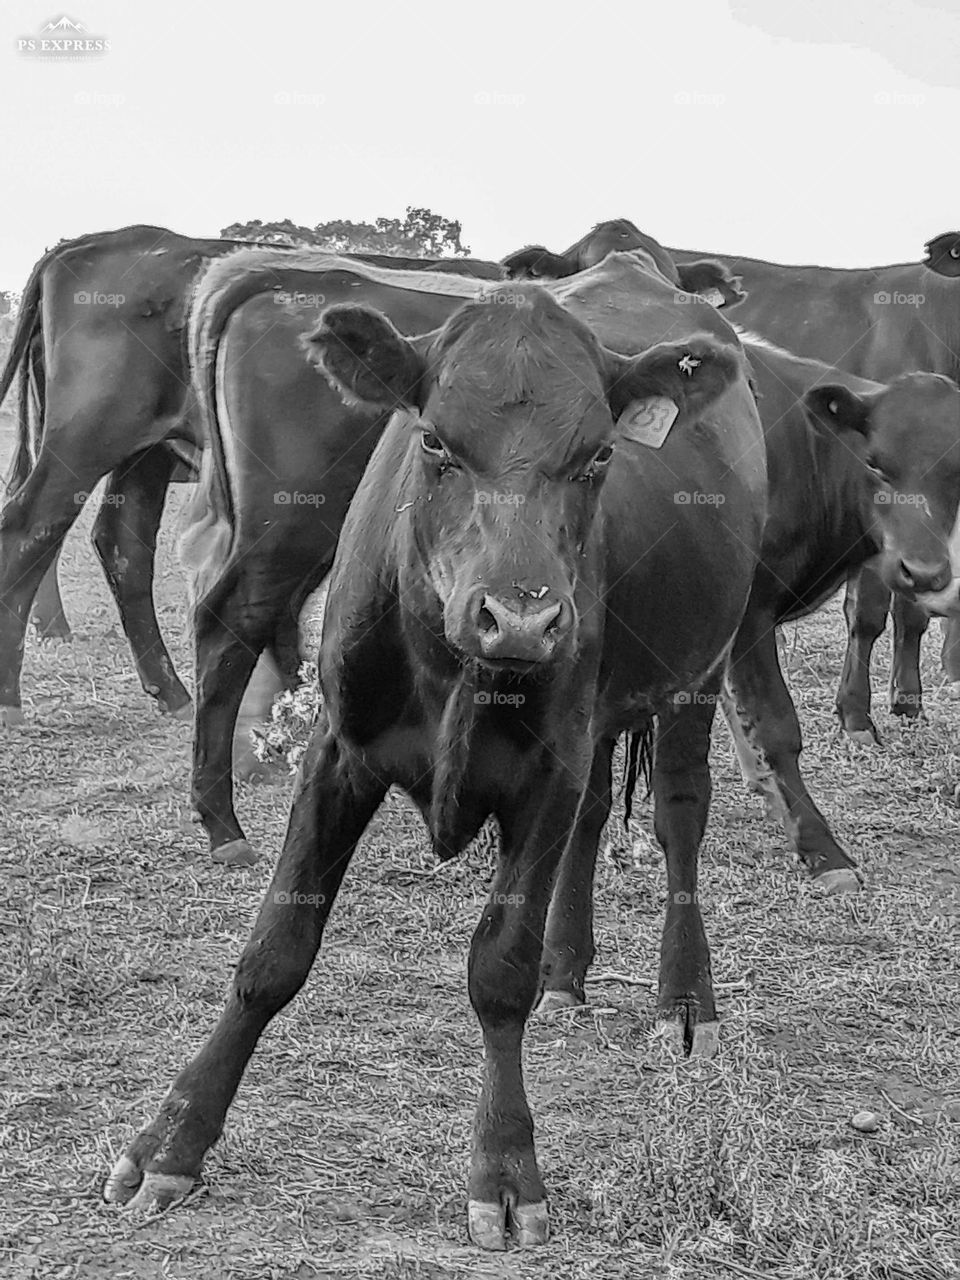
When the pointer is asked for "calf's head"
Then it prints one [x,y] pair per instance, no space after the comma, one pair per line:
[943,254]
[908,437]
[515,414]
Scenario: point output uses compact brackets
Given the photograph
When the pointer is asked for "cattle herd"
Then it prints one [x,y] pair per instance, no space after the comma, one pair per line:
[551,502]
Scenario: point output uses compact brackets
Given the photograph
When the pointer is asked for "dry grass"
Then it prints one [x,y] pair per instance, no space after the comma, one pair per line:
[346,1151]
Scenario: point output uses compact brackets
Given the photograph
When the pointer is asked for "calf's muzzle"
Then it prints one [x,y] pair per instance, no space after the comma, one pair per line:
[524,631]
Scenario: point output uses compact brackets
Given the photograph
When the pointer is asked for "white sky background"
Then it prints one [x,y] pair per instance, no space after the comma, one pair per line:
[797,130]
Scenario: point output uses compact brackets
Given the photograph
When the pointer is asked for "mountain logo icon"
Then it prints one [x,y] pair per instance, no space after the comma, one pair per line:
[64,24]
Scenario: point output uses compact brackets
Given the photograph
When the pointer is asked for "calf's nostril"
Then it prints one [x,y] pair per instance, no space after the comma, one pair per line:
[485,620]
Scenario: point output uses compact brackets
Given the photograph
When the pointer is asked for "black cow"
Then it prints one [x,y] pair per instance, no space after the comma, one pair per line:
[708,277]
[876,322]
[856,469]
[515,583]
[285,458]
[99,341]
[943,254]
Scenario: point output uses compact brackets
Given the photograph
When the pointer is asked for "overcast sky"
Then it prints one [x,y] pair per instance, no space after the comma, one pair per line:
[796,130]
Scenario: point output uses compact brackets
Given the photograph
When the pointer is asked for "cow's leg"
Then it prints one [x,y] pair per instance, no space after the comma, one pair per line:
[258,697]
[681,788]
[506,1193]
[568,948]
[335,800]
[950,651]
[125,539]
[33,523]
[48,615]
[763,712]
[755,769]
[865,606]
[909,624]
[233,624]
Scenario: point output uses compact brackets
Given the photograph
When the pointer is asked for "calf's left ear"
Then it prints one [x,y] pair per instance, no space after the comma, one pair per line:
[709,277]
[366,359]
[691,374]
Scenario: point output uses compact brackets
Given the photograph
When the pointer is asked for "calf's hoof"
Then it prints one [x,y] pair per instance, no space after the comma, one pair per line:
[864,737]
[492,1223]
[681,1028]
[839,880]
[10,716]
[551,1001]
[907,705]
[235,853]
[144,1192]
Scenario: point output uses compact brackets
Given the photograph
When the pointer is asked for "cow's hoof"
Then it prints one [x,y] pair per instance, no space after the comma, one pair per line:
[683,1034]
[551,1001]
[491,1224]
[236,853]
[706,1040]
[10,716]
[144,1193]
[840,880]
[864,737]
[907,710]
[182,713]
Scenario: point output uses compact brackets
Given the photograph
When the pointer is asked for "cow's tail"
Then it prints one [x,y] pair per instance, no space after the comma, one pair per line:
[639,762]
[17,366]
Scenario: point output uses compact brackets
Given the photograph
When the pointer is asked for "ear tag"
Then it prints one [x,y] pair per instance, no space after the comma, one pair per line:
[649,421]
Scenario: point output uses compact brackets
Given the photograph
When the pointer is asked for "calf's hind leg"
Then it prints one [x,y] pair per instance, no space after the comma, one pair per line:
[125,539]
[336,798]
[865,607]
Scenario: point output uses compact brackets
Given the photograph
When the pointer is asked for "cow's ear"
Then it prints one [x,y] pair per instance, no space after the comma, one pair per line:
[712,280]
[673,380]
[536,263]
[365,359]
[836,408]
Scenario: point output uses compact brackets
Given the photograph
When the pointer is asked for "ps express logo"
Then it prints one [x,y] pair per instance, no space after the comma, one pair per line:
[63,39]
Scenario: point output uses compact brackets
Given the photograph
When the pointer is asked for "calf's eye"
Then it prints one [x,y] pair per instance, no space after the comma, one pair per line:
[431,443]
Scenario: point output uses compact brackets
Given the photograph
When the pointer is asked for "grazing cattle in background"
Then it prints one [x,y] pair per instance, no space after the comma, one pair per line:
[876,322]
[943,254]
[285,458]
[99,348]
[515,583]
[855,470]
[709,278]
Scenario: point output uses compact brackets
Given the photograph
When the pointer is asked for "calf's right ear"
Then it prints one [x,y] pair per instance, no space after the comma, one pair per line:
[366,359]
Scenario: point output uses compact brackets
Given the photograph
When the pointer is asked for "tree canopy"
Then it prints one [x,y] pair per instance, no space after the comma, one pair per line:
[420,233]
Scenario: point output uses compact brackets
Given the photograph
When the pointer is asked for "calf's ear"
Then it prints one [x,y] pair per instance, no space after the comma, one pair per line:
[672,380]
[710,277]
[536,263]
[834,407]
[365,359]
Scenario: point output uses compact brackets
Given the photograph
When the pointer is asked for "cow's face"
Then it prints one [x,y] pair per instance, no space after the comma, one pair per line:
[517,413]
[943,254]
[908,435]
[616,236]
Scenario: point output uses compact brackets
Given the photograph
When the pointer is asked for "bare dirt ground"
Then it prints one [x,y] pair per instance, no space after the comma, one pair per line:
[346,1152]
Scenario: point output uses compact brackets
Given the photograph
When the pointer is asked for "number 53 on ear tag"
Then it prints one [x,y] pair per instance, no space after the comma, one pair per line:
[649,421]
